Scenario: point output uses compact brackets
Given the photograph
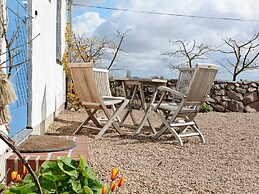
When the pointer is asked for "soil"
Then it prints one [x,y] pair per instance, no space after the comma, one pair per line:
[227,163]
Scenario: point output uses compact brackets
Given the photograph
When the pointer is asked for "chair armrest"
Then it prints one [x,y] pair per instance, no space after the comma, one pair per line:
[115,97]
[167,89]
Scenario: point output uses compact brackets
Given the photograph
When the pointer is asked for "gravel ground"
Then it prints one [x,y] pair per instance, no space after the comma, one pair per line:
[227,163]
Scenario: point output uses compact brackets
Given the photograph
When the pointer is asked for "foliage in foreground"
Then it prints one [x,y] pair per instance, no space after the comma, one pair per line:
[63,175]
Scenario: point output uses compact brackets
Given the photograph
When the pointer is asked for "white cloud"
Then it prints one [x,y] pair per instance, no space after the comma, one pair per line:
[87,23]
[149,36]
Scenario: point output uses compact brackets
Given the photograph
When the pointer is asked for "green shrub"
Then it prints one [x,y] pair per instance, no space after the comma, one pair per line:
[63,175]
[206,108]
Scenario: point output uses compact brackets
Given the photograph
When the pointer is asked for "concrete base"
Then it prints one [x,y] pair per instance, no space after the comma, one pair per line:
[43,126]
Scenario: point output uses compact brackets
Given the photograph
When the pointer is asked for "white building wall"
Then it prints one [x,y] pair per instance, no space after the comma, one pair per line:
[46,76]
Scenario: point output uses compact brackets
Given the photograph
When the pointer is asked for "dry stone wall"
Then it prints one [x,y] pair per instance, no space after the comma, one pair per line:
[224,96]
[234,96]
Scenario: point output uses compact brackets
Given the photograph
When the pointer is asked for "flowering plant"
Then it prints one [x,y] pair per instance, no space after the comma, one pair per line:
[114,184]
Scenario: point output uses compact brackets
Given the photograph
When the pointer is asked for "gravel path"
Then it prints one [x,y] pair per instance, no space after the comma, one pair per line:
[227,163]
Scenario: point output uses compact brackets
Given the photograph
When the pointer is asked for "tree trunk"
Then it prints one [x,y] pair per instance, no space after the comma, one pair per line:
[234,77]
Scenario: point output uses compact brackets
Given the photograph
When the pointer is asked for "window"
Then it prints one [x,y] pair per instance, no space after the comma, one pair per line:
[58,30]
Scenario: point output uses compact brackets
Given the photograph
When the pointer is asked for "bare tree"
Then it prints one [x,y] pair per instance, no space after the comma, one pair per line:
[85,49]
[245,55]
[187,52]
[121,36]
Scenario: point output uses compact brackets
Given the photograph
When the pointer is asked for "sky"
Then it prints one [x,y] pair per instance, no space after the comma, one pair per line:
[150,34]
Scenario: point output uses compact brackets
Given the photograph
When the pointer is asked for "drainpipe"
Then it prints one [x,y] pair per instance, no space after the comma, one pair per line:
[29,63]
[69,18]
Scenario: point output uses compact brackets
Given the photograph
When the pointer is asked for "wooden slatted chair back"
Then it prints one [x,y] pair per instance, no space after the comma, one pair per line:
[85,85]
[101,77]
[201,83]
[184,79]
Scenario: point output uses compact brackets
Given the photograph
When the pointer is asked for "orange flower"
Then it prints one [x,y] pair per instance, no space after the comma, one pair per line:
[104,190]
[14,175]
[113,186]
[121,181]
[18,178]
[115,173]
[25,170]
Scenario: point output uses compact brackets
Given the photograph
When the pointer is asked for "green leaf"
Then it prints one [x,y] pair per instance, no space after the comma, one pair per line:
[88,190]
[22,189]
[49,165]
[82,162]
[90,173]
[76,185]
[68,162]
[95,184]
[71,172]
[50,176]
[28,179]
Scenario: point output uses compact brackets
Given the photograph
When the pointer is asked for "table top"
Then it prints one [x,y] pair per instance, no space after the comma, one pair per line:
[145,81]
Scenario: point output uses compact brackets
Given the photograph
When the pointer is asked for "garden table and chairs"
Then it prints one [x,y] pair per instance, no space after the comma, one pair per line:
[176,116]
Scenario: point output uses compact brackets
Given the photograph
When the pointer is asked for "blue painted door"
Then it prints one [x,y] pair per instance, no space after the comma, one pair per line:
[17,25]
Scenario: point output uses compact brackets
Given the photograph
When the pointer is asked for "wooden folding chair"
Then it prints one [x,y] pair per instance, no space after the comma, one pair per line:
[176,117]
[183,81]
[92,99]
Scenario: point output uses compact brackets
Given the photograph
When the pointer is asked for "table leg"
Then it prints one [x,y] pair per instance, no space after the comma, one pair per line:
[146,109]
[129,106]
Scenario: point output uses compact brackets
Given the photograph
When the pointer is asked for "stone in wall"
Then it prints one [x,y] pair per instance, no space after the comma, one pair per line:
[217,107]
[234,95]
[230,86]
[250,110]
[216,87]
[216,98]
[241,90]
[254,105]
[254,85]
[226,98]
[250,89]
[236,106]
[220,92]
[250,97]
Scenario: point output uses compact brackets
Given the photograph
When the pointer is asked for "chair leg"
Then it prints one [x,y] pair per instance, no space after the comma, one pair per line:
[111,120]
[81,126]
[90,117]
[160,132]
[167,126]
[195,128]
[93,118]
